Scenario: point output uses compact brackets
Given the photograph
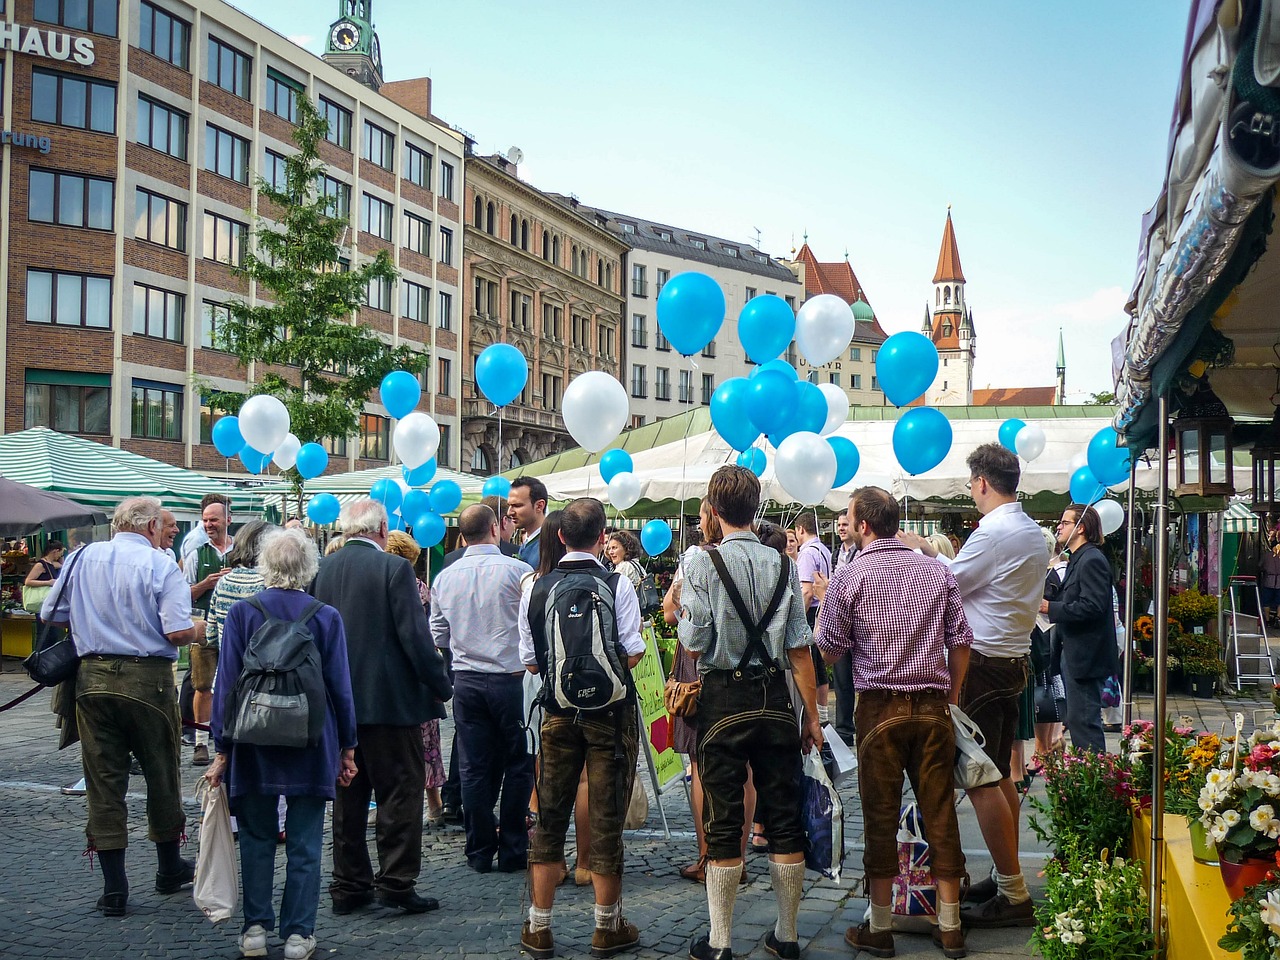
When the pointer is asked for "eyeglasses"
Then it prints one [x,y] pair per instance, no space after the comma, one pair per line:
[968,484]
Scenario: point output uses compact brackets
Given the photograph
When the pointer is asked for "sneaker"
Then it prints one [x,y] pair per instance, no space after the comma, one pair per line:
[605,943]
[537,943]
[999,912]
[77,789]
[879,944]
[951,942]
[298,947]
[188,738]
[253,942]
[200,755]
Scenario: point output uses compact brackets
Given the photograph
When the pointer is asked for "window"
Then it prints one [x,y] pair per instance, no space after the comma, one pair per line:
[417,167]
[213,326]
[339,119]
[68,402]
[579,335]
[638,388]
[160,220]
[662,383]
[729,251]
[273,170]
[377,293]
[162,128]
[710,349]
[375,216]
[639,330]
[659,340]
[551,388]
[163,35]
[552,318]
[708,387]
[95,16]
[415,302]
[417,234]
[335,446]
[226,154]
[444,317]
[875,383]
[68,299]
[229,68]
[446,181]
[444,376]
[158,313]
[73,101]
[340,194]
[443,451]
[855,381]
[606,341]
[446,245]
[855,353]
[662,234]
[833,378]
[282,95]
[750,292]
[660,280]
[484,297]
[224,239]
[480,461]
[157,410]
[375,436]
[70,201]
[686,386]
[791,353]
[639,288]
[873,355]
[697,243]
[791,302]
[378,146]
[521,310]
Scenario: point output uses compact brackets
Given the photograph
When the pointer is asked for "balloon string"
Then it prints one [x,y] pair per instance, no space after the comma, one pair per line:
[498,410]
[684,468]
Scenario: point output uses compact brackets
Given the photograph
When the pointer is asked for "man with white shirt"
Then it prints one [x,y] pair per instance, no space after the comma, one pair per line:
[1000,572]
[203,568]
[842,669]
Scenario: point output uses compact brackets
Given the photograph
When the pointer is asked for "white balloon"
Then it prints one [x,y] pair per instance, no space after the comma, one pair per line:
[595,409]
[286,453]
[1030,442]
[1111,514]
[1081,459]
[824,327]
[264,422]
[837,407]
[415,438]
[806,466]
[624,490]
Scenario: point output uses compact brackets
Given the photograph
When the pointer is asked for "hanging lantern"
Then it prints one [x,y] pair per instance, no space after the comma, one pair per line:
[1202,436]
[1266,466]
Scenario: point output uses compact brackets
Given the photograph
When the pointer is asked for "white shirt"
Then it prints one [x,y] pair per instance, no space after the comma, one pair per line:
[1000,571]
[189,563]
[626,607]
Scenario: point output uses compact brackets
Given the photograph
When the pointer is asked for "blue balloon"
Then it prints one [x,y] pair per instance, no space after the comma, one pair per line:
[921,439]
[780,365]
[387,492]
[765,326]
[227,437]
[1107,459]
[501,373]
[771,401]
[445,496]
[415,504]
[906,366]
[655,537]
[395,522]
[811,408]
[496,487]
[614,462]
[1009,433]
[754,460]
[400,392]
[323,508]
[847,459]
[254,460]
[428,529]
[420,476]
[729,413]
[690,311]
[1085,487]
[312,460]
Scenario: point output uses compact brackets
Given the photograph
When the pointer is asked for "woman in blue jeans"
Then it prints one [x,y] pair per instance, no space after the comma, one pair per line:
[306,778]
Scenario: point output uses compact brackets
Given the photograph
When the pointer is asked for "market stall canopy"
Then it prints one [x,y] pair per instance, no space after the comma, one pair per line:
[96,475]
[353,485]
[1238,518]
[25,510]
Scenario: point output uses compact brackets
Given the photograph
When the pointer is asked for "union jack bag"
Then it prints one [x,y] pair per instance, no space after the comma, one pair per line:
[915,894]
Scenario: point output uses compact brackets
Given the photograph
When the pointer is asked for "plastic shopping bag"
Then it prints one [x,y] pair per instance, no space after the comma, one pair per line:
[217,885]
[843,758]
[973,767]
[823,815]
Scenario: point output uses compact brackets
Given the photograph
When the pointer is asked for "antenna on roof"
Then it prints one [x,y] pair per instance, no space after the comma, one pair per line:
[757,230]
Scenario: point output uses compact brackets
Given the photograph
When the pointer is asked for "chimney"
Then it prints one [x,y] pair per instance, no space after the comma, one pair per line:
[414,95]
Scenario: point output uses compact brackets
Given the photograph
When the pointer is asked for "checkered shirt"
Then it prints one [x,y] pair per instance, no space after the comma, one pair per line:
[898,613]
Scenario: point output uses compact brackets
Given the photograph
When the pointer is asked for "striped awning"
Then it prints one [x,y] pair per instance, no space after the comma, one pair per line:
[351,486]
[1238,518]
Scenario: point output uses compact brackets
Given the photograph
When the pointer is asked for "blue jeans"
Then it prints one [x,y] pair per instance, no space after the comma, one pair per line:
[304,836]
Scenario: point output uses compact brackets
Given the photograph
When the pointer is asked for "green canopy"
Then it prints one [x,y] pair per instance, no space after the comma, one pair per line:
[354,484]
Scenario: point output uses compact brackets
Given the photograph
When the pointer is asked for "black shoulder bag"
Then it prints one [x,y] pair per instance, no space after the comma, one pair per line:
[54,657]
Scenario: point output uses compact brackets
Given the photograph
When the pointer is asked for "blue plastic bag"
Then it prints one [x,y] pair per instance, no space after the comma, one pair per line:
[823,815]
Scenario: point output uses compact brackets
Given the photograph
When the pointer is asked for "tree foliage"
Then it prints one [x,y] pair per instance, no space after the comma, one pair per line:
[1104,397]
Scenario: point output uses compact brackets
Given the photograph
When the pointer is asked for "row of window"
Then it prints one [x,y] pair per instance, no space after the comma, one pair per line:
[485,294]
[484,217]
[662,384]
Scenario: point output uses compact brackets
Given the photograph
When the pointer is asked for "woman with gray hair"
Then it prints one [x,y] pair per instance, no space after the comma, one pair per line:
[305,776]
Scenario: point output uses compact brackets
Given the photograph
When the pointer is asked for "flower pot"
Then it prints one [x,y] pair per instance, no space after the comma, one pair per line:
[1237,876]
[1201,684]
[1203,850]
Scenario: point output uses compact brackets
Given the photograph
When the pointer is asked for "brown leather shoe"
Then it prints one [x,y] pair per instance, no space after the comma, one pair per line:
[537,943]
[879,944]
[951,942]
[605,943]
[999,912]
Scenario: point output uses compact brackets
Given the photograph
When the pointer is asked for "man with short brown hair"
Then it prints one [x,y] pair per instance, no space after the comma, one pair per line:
[204,568]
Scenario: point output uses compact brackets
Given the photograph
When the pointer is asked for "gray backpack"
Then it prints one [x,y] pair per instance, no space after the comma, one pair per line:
[586,668]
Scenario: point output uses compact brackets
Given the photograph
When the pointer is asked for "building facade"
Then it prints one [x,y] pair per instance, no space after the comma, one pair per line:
[140,128]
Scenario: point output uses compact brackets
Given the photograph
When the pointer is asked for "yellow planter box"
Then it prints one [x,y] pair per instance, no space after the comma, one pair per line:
[16,636]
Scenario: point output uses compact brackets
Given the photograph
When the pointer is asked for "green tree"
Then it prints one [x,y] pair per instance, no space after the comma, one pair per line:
[1105,397]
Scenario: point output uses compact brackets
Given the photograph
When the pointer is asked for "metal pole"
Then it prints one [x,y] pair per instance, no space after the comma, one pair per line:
[1160,584]
[1130,591]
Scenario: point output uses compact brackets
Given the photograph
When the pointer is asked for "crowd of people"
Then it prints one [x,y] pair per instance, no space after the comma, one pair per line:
[533,646]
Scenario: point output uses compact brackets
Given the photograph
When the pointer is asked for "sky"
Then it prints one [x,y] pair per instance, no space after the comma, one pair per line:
[853,122]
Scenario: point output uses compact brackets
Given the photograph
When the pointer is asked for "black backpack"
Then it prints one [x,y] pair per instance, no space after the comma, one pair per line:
[279,699]
[585,667]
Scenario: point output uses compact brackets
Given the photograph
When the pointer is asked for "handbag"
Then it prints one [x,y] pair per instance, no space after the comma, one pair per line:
[637,806]
[1050,701]
[681,696]
[54,657]
[217,884]
[973,767]
[649,595]
[33,597]
[823,815]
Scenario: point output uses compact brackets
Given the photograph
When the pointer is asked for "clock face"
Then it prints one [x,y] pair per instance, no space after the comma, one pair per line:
[344,36]
[377,53]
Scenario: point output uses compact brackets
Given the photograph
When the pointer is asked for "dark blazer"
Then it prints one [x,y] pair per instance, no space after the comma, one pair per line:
[397,677]
[1083,618]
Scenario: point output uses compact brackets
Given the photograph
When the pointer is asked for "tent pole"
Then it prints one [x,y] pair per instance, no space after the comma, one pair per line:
[1160,675]
[1130,591]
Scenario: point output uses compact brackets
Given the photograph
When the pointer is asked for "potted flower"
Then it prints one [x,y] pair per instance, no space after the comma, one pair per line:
[1254,927]
[1192,609]
[1094,908]
[1187,778]
[1240,804]
[1088,801]
[1202,674]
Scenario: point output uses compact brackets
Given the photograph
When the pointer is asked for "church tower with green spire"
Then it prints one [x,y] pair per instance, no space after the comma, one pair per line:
[1062,370]
[353,45]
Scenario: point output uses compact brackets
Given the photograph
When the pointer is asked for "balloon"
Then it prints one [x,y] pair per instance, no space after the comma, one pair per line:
[264,422]
[655,536]
[445,495]
[729,413]
[501,373]
[400,392]
[286,455]
[1111,514]
[753,459]
[595,407]
[428,530]
[1085,487]
[227,437]
[624,491]
[419,476]
[1107,459]
[614,462]
[415,438]
[765,327]
[906,365]
[806,466]
[811,408]
[824,327]
[1009,432]
[387,492]
[254,460]
[496,487]
[1029,442]
[396,522]
[1081,459]
[690,311]
[312,460]
[921,439]
[837,407]
[323,508]
[415,504]
[780,365]
[771,400]
[847,459]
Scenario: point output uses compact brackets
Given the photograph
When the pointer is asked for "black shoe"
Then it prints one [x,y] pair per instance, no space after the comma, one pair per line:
[173,882]
[350,903]
[1111,728]
[452,815]
[480,866]
[407,900]
[513,866]
[981,892]
[700,949]
[113,904]
[135,768]
[789,950]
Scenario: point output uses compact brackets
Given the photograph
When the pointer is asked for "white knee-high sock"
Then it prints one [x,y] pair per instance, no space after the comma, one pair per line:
[788,884]
[722,892]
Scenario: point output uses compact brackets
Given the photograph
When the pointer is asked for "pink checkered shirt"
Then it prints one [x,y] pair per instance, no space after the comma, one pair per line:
[899,613]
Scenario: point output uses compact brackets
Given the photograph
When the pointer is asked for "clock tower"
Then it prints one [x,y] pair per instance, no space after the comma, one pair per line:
[353,46]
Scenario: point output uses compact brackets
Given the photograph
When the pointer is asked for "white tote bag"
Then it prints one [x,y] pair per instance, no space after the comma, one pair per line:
[973,767]
[217,885]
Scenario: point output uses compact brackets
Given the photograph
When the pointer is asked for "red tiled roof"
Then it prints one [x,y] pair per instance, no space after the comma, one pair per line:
[1015,396]
[948,256]
[944,341]
[834,278]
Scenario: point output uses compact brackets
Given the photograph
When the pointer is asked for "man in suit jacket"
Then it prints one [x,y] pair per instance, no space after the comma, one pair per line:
[842,669]
[398,681]
[1084,625]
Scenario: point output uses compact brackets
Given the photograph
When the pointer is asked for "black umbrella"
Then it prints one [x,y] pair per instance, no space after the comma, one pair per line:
[25,510]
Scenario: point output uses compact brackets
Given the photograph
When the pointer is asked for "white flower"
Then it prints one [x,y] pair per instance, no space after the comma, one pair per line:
[1218,831]
[1218,778]
[1271,784]
[1230,818]
[1261,816]
[1271,910]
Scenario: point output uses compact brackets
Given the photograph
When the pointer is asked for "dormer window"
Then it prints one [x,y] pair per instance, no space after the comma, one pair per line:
[946,329]
[730,251]
[627,227]
[697,243]
[663,235]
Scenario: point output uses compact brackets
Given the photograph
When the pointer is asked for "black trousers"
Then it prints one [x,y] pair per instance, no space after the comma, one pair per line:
[842,680]
[451,792]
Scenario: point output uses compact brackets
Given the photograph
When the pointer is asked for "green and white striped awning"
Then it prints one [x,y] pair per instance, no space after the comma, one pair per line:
[351,486]
[1238,518]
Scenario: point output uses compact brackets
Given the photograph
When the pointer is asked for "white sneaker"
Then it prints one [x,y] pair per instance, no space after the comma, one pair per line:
[298,947]
[253,942]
